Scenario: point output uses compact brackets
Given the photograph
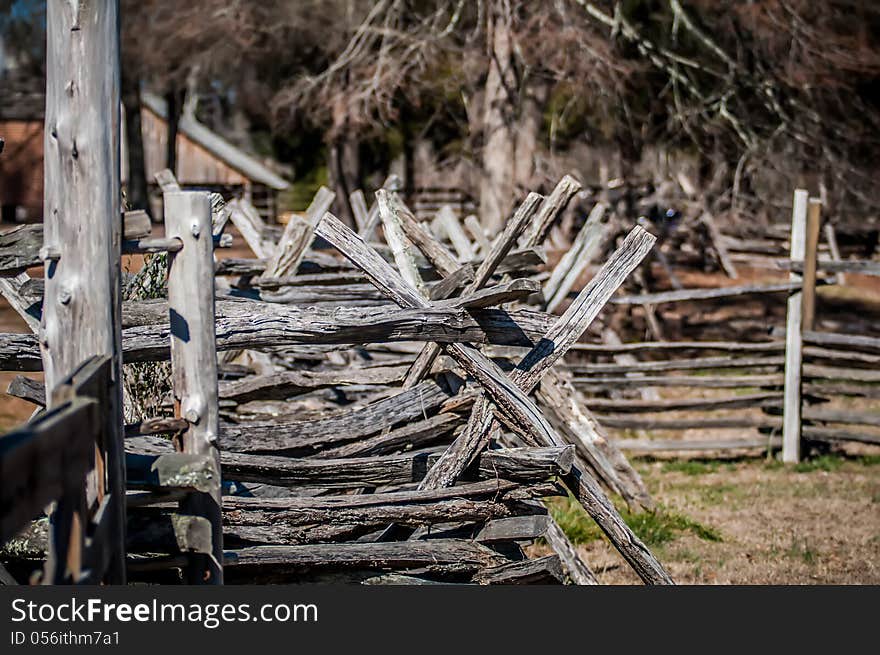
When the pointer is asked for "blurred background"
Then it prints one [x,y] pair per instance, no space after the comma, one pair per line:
[475,102]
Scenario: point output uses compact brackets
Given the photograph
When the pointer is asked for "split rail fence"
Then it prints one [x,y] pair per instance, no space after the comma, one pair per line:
[382,403]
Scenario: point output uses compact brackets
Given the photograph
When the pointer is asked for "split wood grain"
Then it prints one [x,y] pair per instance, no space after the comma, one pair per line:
[194,360]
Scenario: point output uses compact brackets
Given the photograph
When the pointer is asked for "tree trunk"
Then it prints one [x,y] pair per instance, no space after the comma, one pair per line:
[499,141]
[527,133]
[344,173]
[174,100]
[136,185]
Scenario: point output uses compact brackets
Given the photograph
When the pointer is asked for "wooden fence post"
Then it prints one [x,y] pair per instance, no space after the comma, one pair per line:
[194,358]
[791,412]
[814,210]
[82,233]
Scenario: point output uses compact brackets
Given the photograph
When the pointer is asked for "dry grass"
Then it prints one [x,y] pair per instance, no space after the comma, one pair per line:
[754,522]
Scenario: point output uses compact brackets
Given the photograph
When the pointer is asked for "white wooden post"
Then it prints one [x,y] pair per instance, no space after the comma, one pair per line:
[194,358]
[83,227]
[791,413]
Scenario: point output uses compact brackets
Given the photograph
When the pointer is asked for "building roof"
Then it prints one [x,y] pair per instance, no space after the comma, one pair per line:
[233,156]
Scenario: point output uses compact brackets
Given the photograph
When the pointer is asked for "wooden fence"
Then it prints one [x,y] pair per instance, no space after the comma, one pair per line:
[793,376]
[422,368]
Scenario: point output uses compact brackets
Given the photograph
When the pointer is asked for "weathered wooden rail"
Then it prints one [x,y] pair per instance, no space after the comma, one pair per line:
[791,382]
[174,504]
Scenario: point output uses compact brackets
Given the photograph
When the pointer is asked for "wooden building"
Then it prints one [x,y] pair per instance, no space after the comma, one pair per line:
[204,160]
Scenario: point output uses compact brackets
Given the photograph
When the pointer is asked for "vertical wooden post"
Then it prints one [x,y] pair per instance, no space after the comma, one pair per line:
[814,210]
[831,240]
[194,358]
[83,227]
[791,413]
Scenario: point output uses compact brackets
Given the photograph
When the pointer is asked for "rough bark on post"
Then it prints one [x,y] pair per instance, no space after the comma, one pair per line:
[194,357]
[83,225]
[791,421]
[499,139]
[810,262]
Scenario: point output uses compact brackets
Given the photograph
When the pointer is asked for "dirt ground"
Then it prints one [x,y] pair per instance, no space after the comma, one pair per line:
[756,522]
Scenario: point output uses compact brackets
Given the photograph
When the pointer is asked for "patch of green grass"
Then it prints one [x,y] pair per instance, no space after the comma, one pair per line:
[773,464]
[719,493]
[800,549]
[684,555]
[690,467]
[820,463]
[574,521]
[654,528]
[828,463]
[697,466]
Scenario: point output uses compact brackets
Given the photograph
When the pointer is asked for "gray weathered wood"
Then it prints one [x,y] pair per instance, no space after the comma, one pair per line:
[248,222]
[626,422]
[472,223]
[41,462]
[685,295]
[575,261]
[20,249]
[521,413]
[453,230]
[853,341]
[684,445]
[682,404]
[681,364]
[839,373]
[574,565]
[639,346]
[136,224]
[27,389]
[552,346]
[282,325]
[719,245]
[401,247]
[568,411]
[516,464]
[514,528]
[151,245]
[552,205]
[297,236]
[496,253]
[83,223]
[463,555]
[435,252]
[831,240]
[601,383]
[541,570]
[412,435]
[194,358]
[859,267]
[13,290]
[295,435]
[359,208]
[451,283]
[791,430]
[279,386]
[167,181]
